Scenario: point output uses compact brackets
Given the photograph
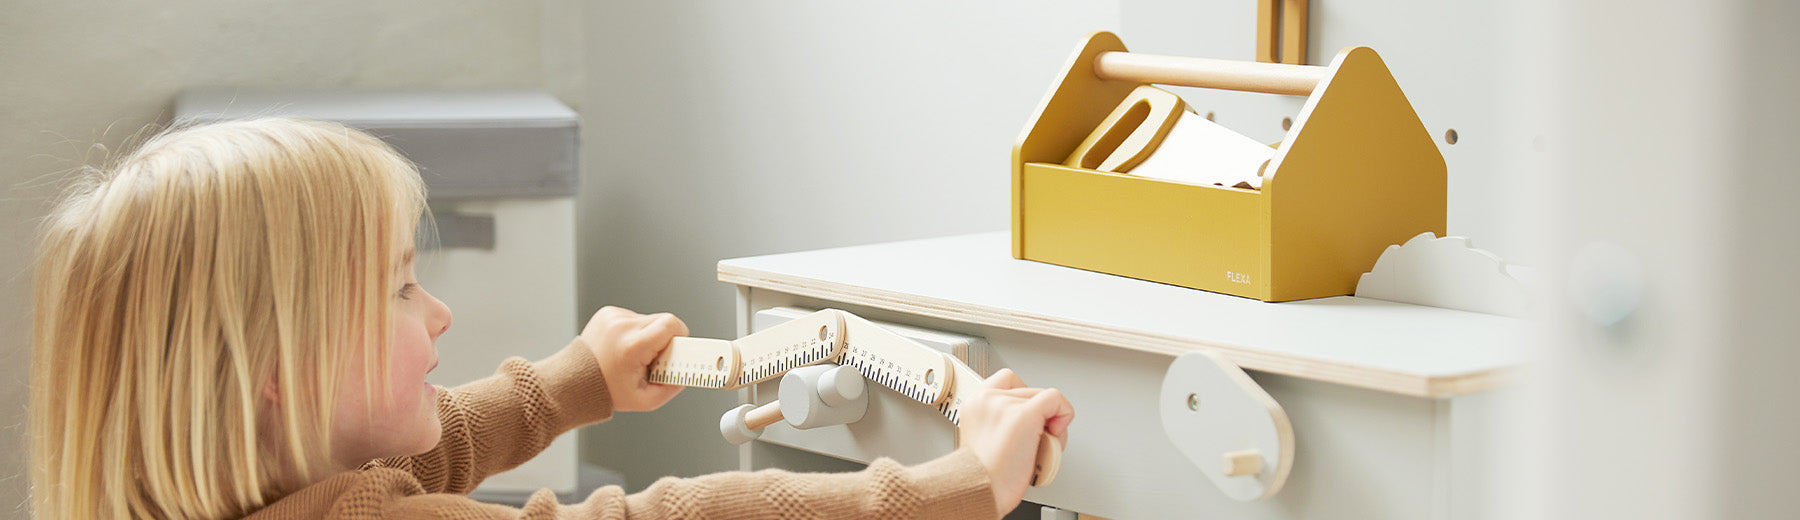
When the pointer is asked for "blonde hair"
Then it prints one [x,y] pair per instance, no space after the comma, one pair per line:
[212,285]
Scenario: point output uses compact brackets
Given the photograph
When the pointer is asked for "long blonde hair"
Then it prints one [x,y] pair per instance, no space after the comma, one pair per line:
[212,285]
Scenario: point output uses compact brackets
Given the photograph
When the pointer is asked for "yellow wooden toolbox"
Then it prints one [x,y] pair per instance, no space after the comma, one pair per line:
[1356,172]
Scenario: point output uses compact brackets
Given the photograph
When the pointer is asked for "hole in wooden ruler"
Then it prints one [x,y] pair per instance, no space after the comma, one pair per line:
[822,329]
[1450,136]
[1286,123]
[1194,402]
[720,363]
[929,376]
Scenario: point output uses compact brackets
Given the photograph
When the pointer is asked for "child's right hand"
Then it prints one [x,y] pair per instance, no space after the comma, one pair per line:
[1003,422]
[625,343]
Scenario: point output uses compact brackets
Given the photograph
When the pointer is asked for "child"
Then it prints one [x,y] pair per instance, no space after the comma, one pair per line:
[228,327]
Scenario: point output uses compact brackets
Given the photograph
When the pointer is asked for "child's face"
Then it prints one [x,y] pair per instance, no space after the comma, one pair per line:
[405,422]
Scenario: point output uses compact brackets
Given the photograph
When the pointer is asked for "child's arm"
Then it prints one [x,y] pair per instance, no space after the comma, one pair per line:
[987,475]
[952,487]
[999,432]
[497,423]
[501,421]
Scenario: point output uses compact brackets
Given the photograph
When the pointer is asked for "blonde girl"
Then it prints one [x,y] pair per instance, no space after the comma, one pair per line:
[228,327]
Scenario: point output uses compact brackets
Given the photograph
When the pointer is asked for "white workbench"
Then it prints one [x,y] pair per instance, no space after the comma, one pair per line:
[1390,403]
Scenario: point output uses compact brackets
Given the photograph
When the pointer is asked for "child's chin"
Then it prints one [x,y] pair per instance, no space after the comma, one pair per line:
[430,437]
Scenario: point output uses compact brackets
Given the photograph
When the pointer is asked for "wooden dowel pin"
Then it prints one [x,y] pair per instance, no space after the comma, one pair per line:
[1240,463]
[763,416]
[1270,78]
[809,397]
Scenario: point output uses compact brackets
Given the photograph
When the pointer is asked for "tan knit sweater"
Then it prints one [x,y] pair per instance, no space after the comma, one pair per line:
[500,422]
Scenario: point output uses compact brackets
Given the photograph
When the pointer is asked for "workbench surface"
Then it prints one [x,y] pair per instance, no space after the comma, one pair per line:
[1393,347]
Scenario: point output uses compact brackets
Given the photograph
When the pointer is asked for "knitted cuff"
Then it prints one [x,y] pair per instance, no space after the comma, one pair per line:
[577,389]
[958,484]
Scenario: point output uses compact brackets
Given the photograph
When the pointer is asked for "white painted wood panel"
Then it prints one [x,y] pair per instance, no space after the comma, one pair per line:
[1359,453]
[1407,349]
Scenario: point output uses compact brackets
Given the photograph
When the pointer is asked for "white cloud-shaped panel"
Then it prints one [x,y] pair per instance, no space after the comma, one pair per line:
[1444,272]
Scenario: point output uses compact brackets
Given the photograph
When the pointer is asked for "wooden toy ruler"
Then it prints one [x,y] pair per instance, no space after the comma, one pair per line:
[891,360]
[733,364]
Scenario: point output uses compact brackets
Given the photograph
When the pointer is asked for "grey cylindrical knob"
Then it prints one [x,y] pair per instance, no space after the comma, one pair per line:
[841,385]
[803,405]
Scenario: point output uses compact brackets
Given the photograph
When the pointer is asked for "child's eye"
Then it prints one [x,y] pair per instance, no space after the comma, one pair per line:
[406,291]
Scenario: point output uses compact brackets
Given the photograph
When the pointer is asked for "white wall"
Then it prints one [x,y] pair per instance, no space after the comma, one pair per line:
[76,73]
[723,129]
[726,129]
[711,129]
[1678,157]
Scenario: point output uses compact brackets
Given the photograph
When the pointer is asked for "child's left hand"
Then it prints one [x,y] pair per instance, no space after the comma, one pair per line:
[625,343]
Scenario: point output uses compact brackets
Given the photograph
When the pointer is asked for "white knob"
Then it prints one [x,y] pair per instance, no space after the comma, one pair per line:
[841,385]
[745,423]
[1607,282]
[803,405]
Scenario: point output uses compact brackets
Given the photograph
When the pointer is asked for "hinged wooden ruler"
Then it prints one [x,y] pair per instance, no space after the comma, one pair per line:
[913,370]
[733,364]
[927,376]
[891,360]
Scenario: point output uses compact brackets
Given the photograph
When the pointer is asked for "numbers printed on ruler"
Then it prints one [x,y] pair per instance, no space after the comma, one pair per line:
[917,383]
[769,363]
[692,373]
[914,370]
[966,381]
[802,341]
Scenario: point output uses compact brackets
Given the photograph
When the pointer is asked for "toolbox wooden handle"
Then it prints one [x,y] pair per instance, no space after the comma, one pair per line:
[1269,78]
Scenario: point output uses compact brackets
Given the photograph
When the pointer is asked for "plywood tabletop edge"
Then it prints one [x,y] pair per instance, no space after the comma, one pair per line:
[1416,385]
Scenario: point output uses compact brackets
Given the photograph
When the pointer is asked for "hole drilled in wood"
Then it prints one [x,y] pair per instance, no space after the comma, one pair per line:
[1286,123]
[1450,136]
[720,364]
[1194,402]
[822,330]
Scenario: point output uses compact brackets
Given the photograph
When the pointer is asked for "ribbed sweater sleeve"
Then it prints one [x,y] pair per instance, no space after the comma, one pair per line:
[952,487]
[499,422]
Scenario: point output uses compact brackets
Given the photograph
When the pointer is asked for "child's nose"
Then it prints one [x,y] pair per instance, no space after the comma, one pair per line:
[440,317]
[443,325]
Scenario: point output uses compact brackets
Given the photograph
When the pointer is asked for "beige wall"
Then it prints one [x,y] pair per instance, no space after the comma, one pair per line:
[74,74]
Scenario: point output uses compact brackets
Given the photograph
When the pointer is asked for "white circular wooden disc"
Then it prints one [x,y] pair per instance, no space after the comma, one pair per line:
[1210,407]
